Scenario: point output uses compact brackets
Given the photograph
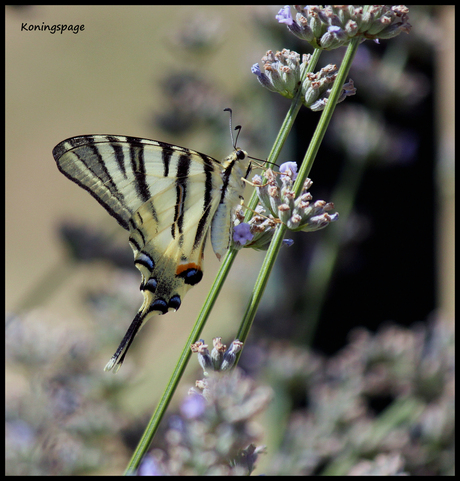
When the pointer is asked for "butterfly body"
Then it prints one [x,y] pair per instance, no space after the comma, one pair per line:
[168,198]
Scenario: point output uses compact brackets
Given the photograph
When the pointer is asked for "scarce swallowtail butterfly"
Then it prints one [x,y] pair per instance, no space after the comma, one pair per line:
[168,198]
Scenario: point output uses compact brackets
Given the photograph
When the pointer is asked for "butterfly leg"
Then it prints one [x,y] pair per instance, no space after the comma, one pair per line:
[253,184]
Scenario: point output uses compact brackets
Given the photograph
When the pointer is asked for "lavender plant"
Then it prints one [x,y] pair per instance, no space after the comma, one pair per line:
[215,431]
[207,436]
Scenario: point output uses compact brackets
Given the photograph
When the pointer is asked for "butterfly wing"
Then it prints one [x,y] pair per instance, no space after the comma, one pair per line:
[165,196]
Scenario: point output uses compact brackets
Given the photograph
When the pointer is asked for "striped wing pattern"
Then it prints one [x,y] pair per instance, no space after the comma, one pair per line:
[166,197]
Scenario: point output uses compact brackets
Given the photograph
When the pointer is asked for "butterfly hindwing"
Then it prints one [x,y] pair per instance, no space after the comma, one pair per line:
[166,197]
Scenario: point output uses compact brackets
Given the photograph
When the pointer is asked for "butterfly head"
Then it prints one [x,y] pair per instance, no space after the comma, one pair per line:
[240,154]
[237,165]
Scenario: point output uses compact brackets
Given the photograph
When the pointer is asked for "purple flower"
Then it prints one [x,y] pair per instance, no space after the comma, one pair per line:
[149,467]
[242,233]
[334,29]
[288,242]
[292,166]
[284,16]
[193,406]
[255,69]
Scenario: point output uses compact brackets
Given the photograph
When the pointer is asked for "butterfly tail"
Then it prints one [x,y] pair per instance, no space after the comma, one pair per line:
[117,359]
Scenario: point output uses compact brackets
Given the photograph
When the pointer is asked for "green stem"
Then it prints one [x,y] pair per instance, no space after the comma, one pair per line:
[285,129]
[305,168]
[227,262]
[326,116]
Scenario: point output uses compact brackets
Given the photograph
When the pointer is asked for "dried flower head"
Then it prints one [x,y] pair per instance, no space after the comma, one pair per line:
[283,74]
[283,71]
[333,26]
[220,358]
[278,203]
[317,87]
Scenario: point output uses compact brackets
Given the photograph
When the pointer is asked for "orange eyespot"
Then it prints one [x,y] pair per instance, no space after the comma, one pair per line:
[185,267]
[191,273]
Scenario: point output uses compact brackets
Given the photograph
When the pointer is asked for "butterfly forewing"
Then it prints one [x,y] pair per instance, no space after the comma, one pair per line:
[166,197]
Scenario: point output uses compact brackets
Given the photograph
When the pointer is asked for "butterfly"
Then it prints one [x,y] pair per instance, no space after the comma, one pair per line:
[168,198]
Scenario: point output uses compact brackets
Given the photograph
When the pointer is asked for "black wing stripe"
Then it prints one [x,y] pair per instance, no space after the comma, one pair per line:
[226,179]
[119,157]
[166,154]
[183,168]
[136,154]
[208,165]
[134,242]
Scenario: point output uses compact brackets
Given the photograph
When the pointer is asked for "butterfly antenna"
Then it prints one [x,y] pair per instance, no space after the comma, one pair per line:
[235,141]
[238,127]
